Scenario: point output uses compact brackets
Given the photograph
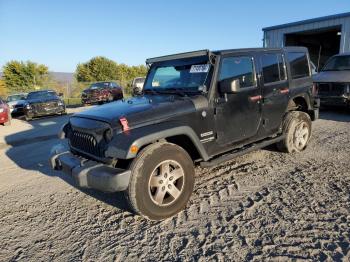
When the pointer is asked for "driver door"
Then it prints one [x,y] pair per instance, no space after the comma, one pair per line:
[238,114]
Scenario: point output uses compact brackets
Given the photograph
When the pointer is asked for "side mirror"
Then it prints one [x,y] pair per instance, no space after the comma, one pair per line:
[229,86]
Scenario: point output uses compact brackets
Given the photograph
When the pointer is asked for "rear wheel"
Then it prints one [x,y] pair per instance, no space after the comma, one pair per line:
[162,181]
[297,131]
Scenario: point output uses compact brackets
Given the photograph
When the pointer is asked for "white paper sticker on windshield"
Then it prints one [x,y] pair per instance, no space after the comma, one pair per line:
[199,69]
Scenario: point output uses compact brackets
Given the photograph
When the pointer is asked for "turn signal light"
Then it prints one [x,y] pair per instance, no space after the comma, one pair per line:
[134,149]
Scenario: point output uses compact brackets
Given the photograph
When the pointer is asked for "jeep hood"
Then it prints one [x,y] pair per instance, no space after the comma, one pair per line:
[140,111]
[332,76]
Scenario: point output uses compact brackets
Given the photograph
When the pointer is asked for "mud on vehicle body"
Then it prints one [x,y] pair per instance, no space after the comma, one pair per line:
[198,108]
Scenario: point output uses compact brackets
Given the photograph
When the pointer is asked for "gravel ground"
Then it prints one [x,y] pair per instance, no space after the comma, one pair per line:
[264,206]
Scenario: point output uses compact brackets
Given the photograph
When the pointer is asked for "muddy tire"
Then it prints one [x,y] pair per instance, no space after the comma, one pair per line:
[8,123]
[297,129]
[162,180]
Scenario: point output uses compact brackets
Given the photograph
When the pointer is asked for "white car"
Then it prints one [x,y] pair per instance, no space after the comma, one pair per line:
[137,85]
[16,102]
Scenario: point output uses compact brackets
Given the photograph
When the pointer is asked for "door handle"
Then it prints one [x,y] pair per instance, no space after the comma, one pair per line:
[284,90]
[255,98]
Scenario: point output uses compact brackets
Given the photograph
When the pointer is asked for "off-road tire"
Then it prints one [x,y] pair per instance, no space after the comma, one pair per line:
[8,123]
[290,124]
[142,167]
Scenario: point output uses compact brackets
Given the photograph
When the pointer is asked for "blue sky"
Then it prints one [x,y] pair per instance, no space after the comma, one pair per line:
[63,33]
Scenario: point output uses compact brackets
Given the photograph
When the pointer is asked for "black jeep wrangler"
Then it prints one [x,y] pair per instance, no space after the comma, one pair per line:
[198,108]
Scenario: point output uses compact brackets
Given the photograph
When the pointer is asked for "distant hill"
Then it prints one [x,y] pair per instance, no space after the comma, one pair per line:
[64,78]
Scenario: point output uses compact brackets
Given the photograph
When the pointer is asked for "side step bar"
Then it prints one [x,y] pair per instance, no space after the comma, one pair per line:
[240,152]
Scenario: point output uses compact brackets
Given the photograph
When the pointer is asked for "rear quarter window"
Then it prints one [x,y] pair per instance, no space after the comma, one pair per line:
[299,65]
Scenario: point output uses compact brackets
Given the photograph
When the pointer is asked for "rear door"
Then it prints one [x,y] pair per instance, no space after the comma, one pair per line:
[275,90]
[238,115]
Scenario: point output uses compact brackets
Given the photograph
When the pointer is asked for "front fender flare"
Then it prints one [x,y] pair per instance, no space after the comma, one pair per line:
[122,143]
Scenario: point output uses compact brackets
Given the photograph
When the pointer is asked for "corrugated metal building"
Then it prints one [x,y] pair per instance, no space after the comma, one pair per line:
[324,36]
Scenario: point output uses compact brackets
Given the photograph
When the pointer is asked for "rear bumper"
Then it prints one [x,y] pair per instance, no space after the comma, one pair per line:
[91,174]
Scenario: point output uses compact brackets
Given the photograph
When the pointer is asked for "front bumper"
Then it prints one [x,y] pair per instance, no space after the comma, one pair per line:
[341,101]
[92,100]
[91,174]
[53,111]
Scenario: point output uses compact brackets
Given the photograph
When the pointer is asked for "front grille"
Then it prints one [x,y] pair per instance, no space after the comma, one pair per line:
[86,143]
[45,107]
[332,89]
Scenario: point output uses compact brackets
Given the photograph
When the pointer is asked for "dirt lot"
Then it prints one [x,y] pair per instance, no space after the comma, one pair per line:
[263,206]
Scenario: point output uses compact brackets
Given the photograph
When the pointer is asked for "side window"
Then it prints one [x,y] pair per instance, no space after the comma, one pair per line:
[273,68]
[238,67]
[299,65]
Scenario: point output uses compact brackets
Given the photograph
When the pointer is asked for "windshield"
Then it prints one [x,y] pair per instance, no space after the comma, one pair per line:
[16,98]
[184,76]
[338,63]
[42,95]
[99,85]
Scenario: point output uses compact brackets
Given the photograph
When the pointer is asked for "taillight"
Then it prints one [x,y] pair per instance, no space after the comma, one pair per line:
[314,89]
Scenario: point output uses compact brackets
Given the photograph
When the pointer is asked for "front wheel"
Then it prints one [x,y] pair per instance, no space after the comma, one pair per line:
[162,181]
[297,131]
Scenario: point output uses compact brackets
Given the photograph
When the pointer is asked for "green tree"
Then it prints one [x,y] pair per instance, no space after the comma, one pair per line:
[24,76]
[3,89]
[96,69]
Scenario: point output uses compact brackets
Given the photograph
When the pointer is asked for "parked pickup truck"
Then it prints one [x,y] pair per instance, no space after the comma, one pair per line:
[198,108]
[333,82]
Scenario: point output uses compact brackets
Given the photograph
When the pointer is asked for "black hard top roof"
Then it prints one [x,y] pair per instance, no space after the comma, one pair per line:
[208,53]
